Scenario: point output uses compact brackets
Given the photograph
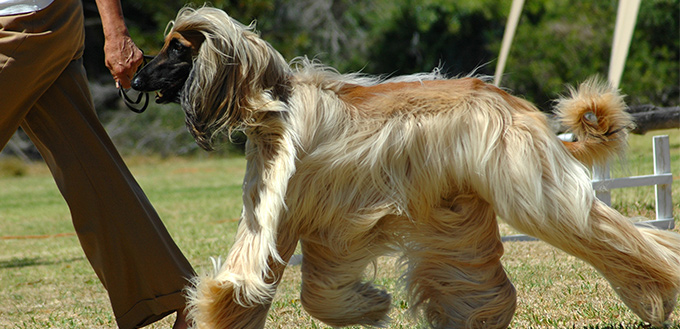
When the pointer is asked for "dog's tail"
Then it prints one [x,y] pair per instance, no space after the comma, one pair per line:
[595,113]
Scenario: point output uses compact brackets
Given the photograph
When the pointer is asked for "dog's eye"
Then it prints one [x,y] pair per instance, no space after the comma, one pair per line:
[177,47]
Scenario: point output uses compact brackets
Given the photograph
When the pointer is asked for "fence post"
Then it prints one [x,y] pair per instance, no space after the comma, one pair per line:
[601,173]
[662,165]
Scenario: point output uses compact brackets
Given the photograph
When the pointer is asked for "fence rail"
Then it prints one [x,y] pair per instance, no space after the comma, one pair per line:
[662,179]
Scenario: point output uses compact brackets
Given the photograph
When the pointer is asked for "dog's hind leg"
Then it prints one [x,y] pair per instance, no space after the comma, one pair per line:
[454,272]
[539,189]
[332,287]
[642,265]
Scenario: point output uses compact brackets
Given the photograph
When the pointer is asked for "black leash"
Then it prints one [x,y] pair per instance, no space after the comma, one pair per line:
[134,105]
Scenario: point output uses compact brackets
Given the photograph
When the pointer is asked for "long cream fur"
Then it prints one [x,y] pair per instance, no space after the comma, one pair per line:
[354,167]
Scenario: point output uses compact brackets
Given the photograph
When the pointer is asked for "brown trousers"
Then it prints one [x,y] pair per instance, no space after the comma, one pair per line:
[44,90]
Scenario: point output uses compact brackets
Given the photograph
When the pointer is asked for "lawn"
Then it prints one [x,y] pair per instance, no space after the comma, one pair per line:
[45,280]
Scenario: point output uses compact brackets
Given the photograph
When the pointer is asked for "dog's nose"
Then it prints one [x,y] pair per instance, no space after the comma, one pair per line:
[137,84]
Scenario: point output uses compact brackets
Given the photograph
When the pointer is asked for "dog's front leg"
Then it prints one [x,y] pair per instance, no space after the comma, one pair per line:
[216,301]
[269,168]
[239,293]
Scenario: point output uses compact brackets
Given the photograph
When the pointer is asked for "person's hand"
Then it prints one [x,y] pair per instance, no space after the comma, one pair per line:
[122,57]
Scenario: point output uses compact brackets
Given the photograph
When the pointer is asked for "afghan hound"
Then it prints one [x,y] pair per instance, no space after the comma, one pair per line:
[353,167]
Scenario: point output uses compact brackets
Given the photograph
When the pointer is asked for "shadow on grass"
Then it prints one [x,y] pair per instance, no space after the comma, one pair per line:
[36,261]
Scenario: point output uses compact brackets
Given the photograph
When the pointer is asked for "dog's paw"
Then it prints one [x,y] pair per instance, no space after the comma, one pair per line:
[362,304]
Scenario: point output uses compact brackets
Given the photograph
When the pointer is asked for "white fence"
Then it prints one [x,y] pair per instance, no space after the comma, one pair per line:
[662,179]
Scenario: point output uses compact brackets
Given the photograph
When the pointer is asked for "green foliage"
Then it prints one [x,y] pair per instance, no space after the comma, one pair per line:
[557,42]
[425,35]
[565,42]
[651,72]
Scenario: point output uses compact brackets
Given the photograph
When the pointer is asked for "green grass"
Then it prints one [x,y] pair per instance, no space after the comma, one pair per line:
[46,282]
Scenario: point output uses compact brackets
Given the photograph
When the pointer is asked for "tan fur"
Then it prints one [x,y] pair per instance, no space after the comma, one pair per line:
[354,167]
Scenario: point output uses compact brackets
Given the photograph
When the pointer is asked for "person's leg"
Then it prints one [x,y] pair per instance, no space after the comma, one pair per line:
[121,234]
[47,94]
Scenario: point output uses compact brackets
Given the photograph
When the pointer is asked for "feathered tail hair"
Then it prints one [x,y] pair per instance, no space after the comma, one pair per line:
[595,113]
[234,73]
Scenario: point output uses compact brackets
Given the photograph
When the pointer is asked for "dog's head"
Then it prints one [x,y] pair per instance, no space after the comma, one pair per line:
[167,73]
[220,70]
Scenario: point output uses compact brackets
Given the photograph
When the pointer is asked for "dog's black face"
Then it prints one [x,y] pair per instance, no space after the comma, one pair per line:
[169,70]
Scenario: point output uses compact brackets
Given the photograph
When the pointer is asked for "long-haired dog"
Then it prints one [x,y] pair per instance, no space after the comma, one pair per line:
[355,167]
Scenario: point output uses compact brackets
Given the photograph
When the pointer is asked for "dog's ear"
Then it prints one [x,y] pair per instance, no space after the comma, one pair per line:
[193,39]
[235,73]
[276,75]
